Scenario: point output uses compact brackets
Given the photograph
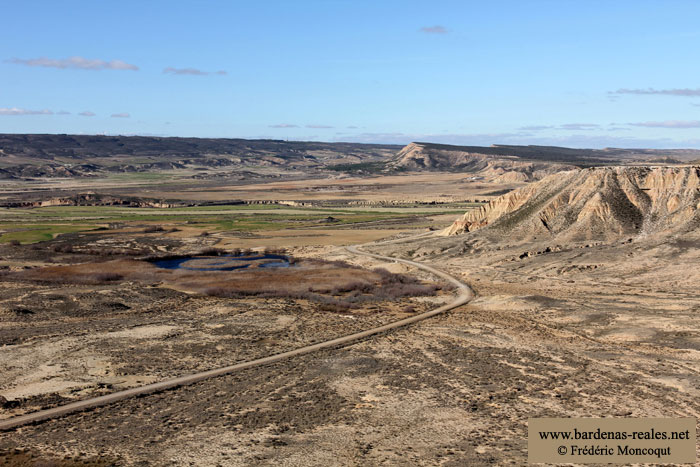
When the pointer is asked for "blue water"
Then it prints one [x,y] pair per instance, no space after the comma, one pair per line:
[225,263]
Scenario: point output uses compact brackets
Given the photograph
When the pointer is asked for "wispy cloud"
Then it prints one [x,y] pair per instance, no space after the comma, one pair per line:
[80,63]
[682,92]
[535,127]
[17,111]
[318,126]
[677,124]
[481,139]
[351,127]
[618,128]
[579,126]
[121,115]
[437,29]
[87,113]
[191,71]
[284,125]
[62,112]
[577,140]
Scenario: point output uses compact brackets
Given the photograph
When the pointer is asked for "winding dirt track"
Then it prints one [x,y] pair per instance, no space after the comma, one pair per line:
[464,296]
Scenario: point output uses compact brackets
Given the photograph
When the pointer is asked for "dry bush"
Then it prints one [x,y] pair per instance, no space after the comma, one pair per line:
[153,228]
[114,252]
[89,273]
[333,288]
[105,276]
[331,285]
[274,251]
[64,248]
[209,251]
[15,242]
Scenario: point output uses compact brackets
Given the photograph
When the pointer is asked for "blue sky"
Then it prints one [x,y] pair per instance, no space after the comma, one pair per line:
[572,73]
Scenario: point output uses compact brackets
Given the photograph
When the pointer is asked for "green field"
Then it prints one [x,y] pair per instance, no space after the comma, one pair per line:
[41,224]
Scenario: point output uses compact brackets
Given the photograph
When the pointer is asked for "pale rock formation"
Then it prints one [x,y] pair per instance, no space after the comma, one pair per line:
[596,203]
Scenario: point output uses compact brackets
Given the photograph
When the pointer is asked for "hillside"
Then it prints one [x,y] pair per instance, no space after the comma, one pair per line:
[597,203]
[60,156]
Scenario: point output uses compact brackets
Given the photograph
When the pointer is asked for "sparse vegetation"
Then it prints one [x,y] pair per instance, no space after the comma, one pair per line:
[343,295]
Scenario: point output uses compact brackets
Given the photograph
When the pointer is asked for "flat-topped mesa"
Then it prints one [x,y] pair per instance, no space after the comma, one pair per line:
[596,203]
[426,156]
[500,165]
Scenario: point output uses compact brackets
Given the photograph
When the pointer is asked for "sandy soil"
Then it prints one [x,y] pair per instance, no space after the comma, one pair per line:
[581,330]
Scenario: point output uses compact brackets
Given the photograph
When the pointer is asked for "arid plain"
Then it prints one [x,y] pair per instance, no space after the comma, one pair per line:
[583,264]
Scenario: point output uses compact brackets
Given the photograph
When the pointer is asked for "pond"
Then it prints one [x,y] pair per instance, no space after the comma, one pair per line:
[224,262]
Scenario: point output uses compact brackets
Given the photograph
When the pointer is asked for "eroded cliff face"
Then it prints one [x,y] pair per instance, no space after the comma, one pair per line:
[597,203]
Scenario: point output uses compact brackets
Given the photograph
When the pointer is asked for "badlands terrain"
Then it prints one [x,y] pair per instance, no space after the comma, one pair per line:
[130,260]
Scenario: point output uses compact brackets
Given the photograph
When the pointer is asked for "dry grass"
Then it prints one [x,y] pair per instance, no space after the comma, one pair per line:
[335,285]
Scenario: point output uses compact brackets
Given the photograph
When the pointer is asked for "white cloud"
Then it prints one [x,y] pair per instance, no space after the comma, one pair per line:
[579,126]
[121,115]
[682,92]
[75,62]
[437,29]
[572,140]
[678,124]
[535,127]
[87,113]
[17,111]
[318,126]
[284,125]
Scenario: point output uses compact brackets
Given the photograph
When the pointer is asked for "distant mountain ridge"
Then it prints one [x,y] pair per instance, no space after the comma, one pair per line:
[36,156]
[51,156]
[445,156]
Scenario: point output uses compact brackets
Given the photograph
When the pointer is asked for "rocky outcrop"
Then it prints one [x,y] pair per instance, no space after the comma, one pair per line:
[94,199]
[596,203]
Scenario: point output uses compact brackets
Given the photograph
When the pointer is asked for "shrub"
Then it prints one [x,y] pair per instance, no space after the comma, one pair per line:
[63,248]
[153,228]
[15,242]
[211,251]
[106,276]
[275,251]
[358,286]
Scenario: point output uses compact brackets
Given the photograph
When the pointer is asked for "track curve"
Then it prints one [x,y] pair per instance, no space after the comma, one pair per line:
[464,296]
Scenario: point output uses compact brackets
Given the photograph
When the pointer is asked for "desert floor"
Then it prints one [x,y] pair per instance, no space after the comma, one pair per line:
[582,330]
